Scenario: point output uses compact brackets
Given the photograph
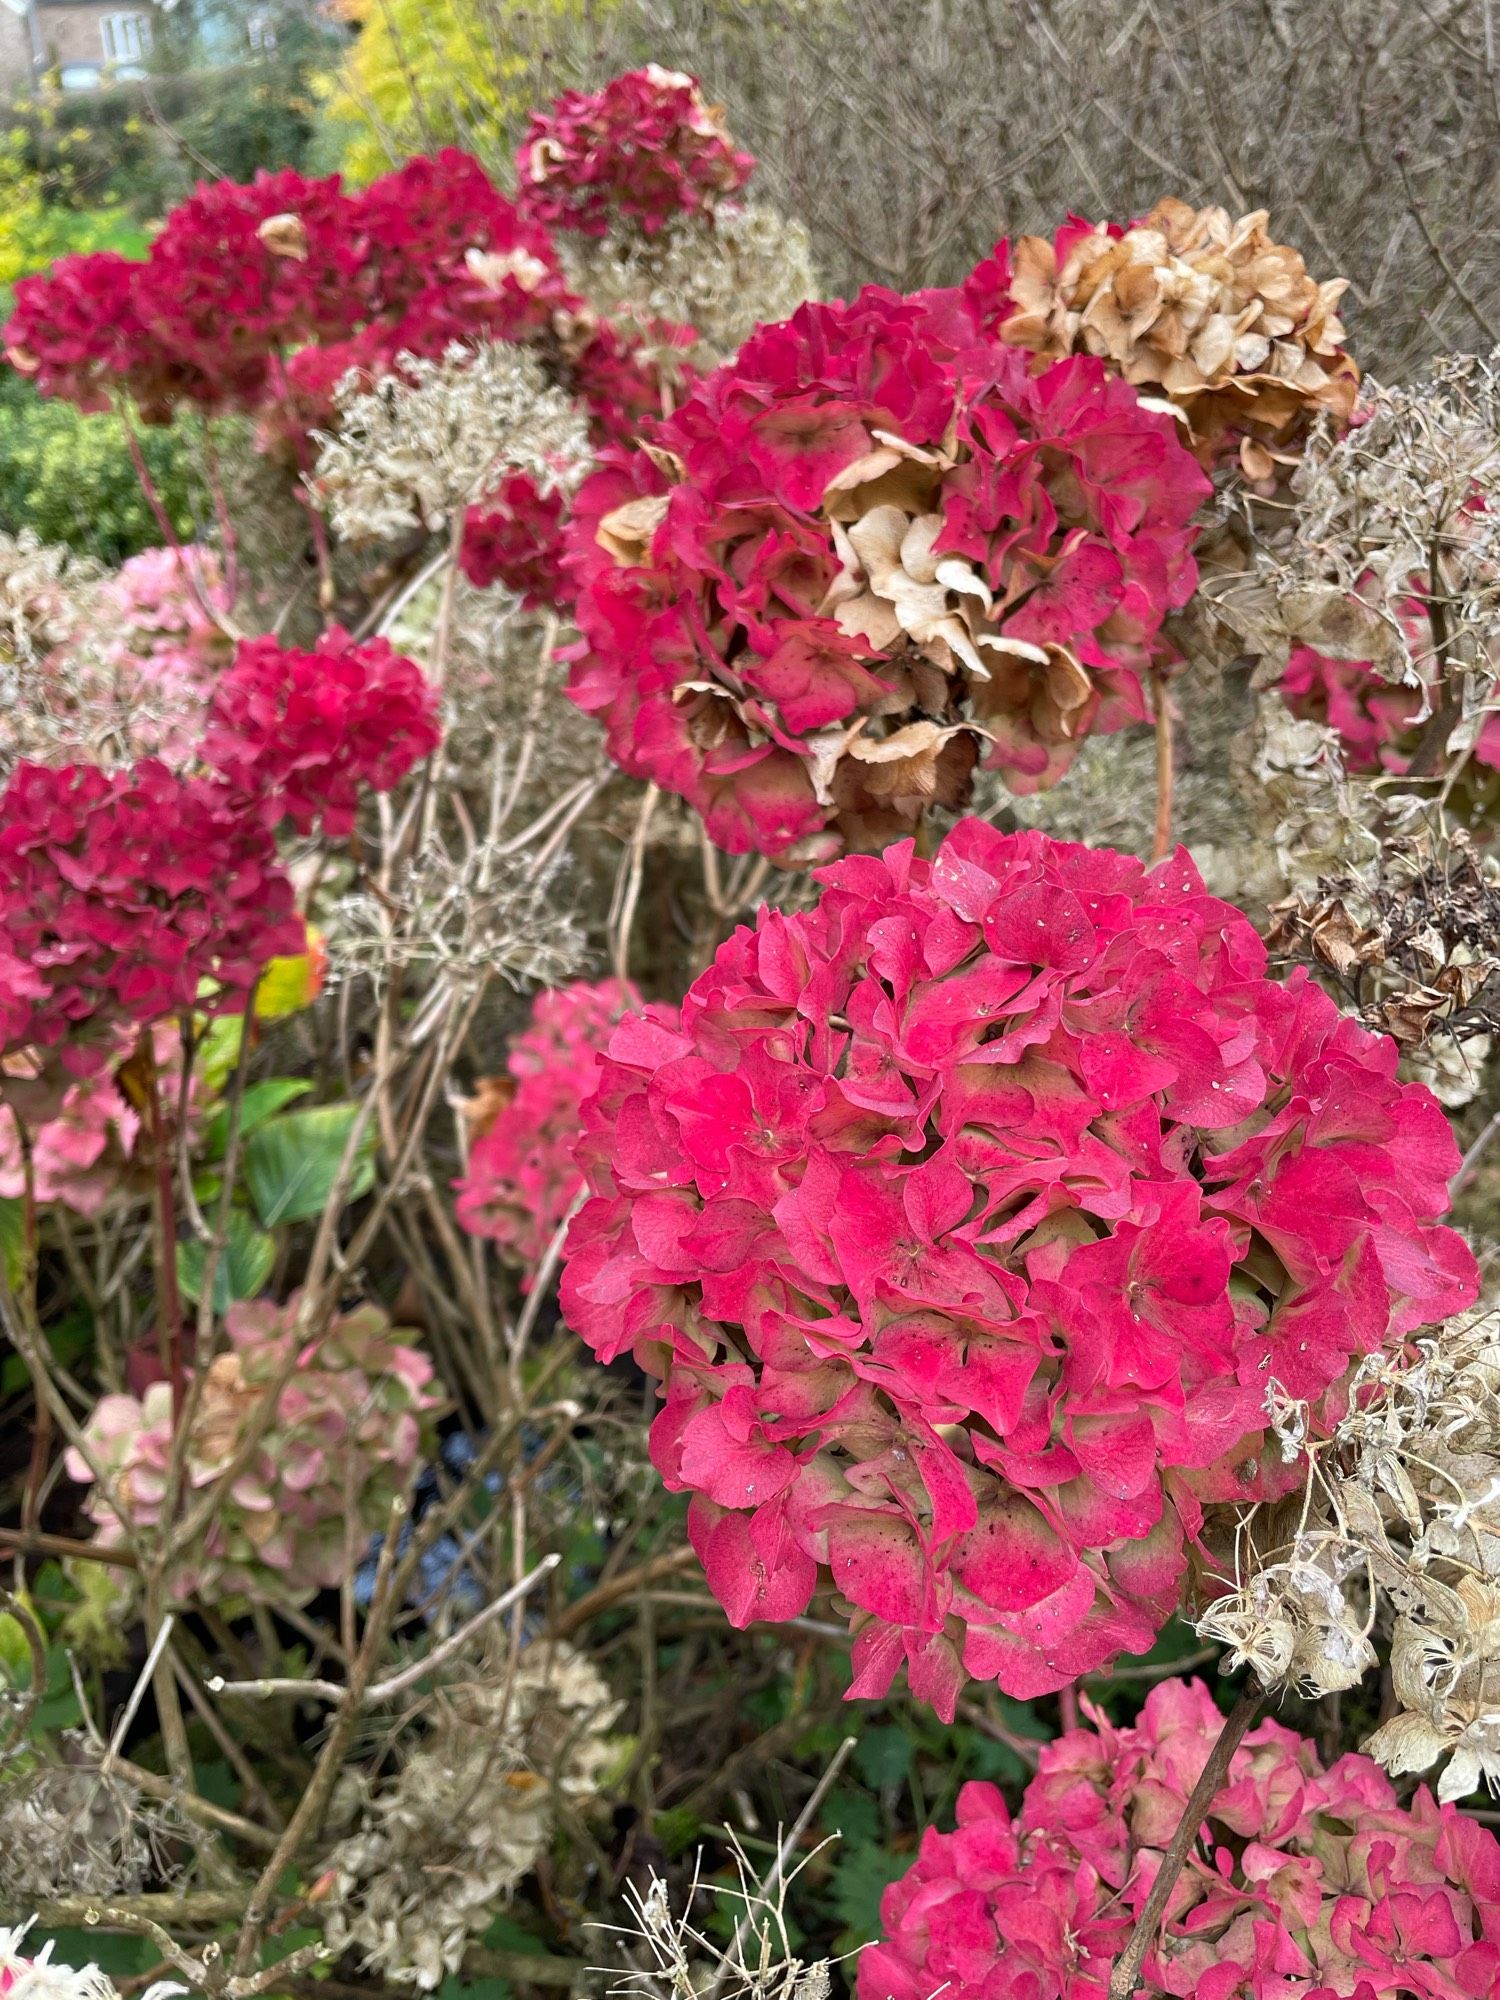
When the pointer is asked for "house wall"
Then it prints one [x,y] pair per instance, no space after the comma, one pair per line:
[70,33]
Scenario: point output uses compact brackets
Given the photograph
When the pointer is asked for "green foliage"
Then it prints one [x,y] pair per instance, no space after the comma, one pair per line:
[244,1268]
[70,479]
[292,1162]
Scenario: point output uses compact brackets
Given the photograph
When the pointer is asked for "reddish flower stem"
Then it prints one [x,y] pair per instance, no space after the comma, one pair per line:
[1125,1978]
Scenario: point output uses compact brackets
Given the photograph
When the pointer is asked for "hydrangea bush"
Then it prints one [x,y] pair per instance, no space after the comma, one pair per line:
[1306,1881]
[968,1219]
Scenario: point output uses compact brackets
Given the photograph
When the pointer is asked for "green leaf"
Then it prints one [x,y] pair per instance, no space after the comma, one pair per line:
[13,1236]
[292,1162]
[262,1101]
[859,1881]
[676,1827]
[244,1266]
[883,1755]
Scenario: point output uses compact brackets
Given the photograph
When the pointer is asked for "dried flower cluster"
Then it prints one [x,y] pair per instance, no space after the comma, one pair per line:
[522,1178]
[723,274]
[1414,945]
[643,149]
[967,1218]
[295,1434]
[444,1844]
[1403,1502]
[300,735]
[105,668]
[857,559]
[1305,1884]
[74,1828]
[1187,303]
[437,436]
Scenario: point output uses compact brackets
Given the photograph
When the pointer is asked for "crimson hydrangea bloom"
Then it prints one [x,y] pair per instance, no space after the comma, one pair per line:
[514,536]
[244,280]
[1306,1883]
[522,1177]
[76,330]
[306,731]
[966,1219]
[859,557]
[643,149]
[121,894]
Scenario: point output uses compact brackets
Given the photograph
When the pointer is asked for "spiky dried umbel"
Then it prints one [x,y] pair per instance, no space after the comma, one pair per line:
[433,437]
[1401,1513]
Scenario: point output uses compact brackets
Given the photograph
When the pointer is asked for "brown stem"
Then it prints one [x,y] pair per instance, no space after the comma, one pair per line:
[1161,846]
[1125,1978]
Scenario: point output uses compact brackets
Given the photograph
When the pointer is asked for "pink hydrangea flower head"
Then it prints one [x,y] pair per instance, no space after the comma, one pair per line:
[862,556]
[966,1219]
[167,646]
[643,149]
[127,897]
[522,1178]
[514,537]
[85,1156]
[1305,1883]
[76,329]
[242,277]
[353,1417]
[306,731]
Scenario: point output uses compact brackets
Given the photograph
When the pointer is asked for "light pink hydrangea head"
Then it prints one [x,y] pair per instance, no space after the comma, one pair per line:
[1305,1883]
[85,1155]
[166,652]
[646,147]
[522,1176]
[352,1419]
[866,555]
[967,1219]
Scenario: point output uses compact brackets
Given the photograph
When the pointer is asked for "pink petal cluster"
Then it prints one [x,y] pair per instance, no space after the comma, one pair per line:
[865,553]
[1378,722]
[350,1425]
[966,1218]
[121,895]
[305,731]
[1305,1884]
[240,277]
[84,1154]
[167,645]
[514,537]
[643,149]
[522,1178]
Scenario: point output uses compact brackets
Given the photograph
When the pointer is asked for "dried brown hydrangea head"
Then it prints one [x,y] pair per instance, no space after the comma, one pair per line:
[1210,311]
[1398,1530]
[442,1845]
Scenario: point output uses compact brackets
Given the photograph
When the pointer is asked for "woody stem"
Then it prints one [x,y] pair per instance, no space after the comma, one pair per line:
[1126,1975]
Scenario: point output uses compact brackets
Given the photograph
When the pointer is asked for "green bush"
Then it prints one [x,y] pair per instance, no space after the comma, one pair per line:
[70,478]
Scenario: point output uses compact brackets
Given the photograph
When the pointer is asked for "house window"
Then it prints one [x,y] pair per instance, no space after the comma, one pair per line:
[127,37]
[261,30]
